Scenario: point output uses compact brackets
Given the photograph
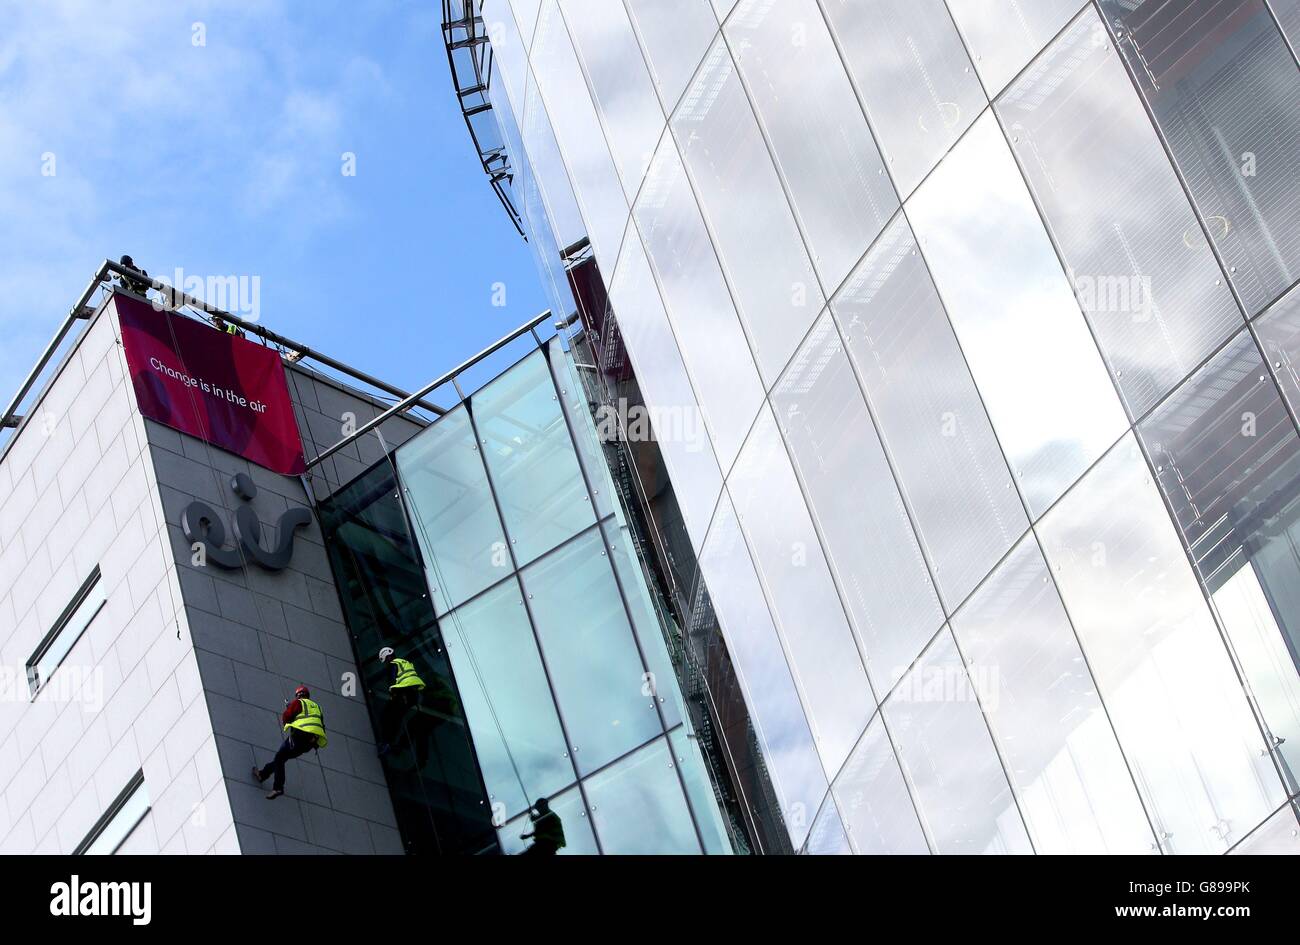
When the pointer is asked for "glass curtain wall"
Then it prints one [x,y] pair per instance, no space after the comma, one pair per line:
[982,309]
[563,678]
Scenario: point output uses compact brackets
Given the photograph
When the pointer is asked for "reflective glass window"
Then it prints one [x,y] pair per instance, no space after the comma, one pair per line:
[621,87]
[674,36]
[1279,336]
[708,331]
[878,811]
[1228,461]
[582,425]
[823,654]
[699,791]
[740,194]
[638,806]
[869,541]
[646,621]
[1003,35]
[1074,788]
[674,417]
[911,69]
[578,131]
[784,738]
[1223,87]
[568,806]
[932,422]
[1052,404]
[517,736]
[823,146]
[827,836]
[508,55]
[531,458]
[949,760]
[526,16]
[451,507]
[1142,271]
[1162,670]
[591,655]
[1287,13]
[548,174]
[1278,836]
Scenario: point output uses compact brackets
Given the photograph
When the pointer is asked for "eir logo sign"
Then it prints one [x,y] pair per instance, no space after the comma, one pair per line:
[207,535]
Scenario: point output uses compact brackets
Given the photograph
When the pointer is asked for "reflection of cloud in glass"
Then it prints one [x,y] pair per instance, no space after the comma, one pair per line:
[1028,347]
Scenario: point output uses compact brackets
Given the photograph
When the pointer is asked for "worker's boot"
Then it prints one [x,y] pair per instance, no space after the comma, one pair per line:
[257,774]
[273,794]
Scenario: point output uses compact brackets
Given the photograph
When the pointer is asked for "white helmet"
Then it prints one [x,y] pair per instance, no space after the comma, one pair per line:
[385,654]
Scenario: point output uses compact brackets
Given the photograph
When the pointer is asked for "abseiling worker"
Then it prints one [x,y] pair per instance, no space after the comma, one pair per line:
[304,729]
[547,833]
[404,694]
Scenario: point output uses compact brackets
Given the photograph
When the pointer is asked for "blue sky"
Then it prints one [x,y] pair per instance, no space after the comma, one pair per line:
[227,159]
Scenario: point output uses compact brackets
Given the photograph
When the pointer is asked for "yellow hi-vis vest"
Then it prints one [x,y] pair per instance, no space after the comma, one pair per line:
[310,720]
[406,675]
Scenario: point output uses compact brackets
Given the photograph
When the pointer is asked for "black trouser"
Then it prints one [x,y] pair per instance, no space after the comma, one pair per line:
[400,702]
[295,743]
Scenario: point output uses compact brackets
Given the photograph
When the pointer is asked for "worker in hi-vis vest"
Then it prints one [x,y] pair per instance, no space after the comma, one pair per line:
[304,729]
[404,695]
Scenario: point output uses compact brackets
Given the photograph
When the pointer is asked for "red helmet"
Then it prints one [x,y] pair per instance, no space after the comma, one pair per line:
[302,692]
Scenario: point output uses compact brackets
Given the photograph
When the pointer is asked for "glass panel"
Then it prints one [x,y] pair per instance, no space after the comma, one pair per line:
[1161,668]
[1279,336]
[740,194]
[433,776]
[827,837]
[712,343]
[578,838]
[870,789]
[546,169]
[1003,35]
[508,56]
[1287,13]
[531,458]
[675,419]
[1074,788]
[1028,346]
[451,507]
[582,424]
[517,736]
[603,38]
[674,35]
[595,670]
[960,788]
[949,463]
[638,806]
[1223,87]
[1278,836]
[823,655]
[911,69]
[869,540]
[577,129]
[820,137]
[1142,271]
[1228,461]
[786,743]
[645,621]
[526,15]
[700,792]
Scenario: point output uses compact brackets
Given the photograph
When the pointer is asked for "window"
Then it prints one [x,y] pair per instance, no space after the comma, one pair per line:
[65,633]
[119,821]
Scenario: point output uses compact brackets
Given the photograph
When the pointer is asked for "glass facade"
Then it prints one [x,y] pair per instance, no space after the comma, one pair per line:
[489,551]
[964,337]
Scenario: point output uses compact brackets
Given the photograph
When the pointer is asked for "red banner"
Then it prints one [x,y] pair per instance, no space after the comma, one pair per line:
[220,388]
